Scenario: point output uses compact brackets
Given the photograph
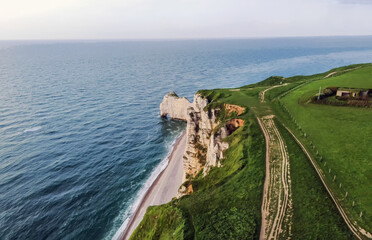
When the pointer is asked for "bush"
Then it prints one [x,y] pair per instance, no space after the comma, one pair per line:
[227,224]
[359,103]
[333,89]
[329,92]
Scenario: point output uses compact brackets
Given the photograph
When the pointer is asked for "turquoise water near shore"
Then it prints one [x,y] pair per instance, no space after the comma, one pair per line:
[81,138]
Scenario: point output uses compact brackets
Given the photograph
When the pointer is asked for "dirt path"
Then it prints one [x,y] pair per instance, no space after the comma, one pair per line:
[347,70]
[330,74]
[359,232]
[276,207]
[262,94]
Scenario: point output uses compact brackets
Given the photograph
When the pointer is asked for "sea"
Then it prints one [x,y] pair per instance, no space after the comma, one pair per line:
[81,139]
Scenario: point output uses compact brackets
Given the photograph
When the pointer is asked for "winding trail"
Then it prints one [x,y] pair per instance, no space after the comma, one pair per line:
[276,206]
[262,94]
[347,70]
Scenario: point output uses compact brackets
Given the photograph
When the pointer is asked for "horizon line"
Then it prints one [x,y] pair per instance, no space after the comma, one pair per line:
[179,38]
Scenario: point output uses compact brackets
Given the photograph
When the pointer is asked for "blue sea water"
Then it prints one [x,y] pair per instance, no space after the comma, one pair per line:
[80,133]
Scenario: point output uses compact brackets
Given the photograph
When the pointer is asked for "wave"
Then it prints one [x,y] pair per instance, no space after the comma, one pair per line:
[142,192]
[33,129]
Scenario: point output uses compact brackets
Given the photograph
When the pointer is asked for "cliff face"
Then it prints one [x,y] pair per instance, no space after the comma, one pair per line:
[204,144]
[234,108]
[204,148]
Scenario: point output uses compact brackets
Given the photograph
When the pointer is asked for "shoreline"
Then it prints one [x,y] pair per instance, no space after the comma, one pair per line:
[161,190]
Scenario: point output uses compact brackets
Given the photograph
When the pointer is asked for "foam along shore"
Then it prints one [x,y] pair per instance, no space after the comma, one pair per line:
[164,188]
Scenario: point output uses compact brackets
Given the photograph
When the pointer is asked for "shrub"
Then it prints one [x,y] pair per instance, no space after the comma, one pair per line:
[227,224]
[328,92]
[333,89]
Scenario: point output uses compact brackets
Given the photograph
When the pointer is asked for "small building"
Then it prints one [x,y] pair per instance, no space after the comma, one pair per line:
[352,92]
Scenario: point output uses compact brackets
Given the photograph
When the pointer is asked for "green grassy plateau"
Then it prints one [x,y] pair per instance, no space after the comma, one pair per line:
[226,203]
[342,136]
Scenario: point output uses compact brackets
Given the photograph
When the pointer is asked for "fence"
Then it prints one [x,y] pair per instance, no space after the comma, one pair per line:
[335,183]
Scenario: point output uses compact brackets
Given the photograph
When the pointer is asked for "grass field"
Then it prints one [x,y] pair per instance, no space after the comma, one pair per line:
[342,136]
[314,214]
[226,203]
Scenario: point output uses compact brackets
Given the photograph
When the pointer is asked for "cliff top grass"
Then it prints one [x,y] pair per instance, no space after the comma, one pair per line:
[339,133]
[161,222]
[226,203]
[275,80]
[341,136]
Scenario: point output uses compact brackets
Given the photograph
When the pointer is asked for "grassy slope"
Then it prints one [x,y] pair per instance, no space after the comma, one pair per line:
[314,215]
[341,135]
[276,80]
[226,203]
[162,222]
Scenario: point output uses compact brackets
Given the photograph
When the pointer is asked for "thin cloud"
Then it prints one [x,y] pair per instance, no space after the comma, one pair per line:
[355,1]
[149,19]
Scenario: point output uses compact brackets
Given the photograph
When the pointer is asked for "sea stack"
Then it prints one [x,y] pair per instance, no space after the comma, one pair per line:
[174,107]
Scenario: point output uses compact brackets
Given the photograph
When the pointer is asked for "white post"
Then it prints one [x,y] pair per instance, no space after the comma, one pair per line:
[320,88]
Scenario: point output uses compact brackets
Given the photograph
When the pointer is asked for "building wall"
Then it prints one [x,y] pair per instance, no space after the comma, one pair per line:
[339,92]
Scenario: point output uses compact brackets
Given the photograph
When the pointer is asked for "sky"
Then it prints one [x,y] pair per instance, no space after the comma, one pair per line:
[182,19]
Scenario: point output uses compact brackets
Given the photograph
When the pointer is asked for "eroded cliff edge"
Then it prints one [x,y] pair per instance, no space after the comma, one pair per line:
[206,129]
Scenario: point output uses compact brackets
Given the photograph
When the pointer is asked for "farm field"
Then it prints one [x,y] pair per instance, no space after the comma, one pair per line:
[342,136]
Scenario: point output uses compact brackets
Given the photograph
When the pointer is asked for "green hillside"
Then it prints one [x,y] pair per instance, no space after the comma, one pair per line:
[342,136]
[226,204]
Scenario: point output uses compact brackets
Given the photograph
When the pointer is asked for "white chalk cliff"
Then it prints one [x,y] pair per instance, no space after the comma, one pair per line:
[174,106]
[204,145]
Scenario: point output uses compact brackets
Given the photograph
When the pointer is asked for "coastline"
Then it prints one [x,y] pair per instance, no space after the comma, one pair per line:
[164,188]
